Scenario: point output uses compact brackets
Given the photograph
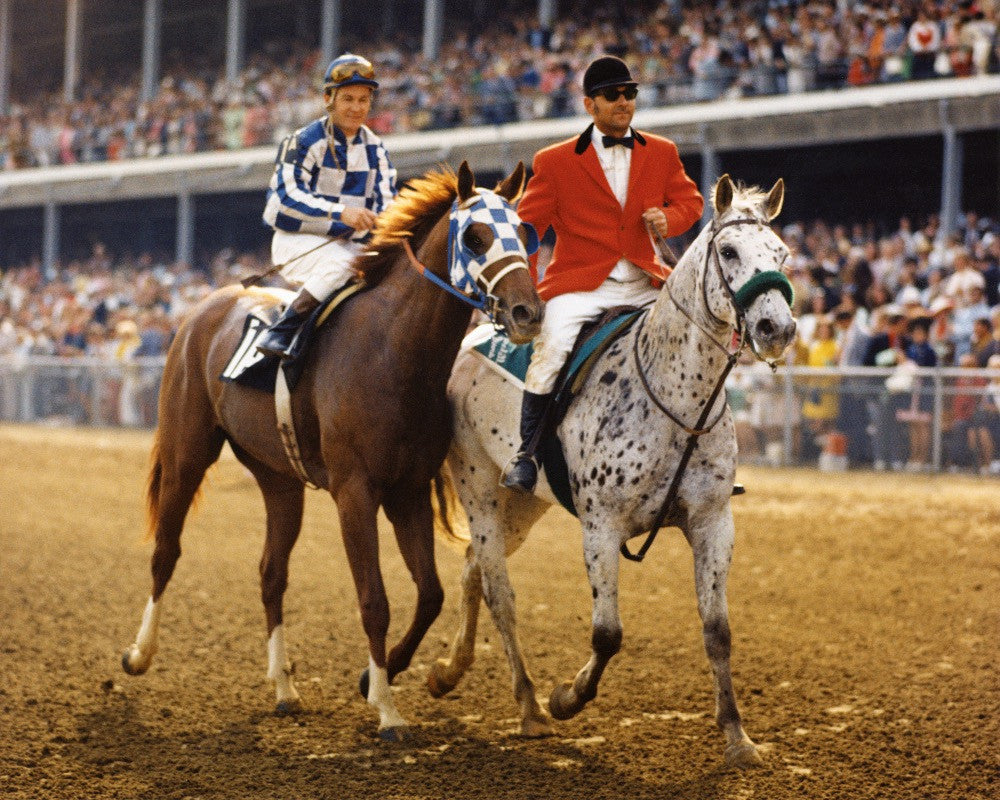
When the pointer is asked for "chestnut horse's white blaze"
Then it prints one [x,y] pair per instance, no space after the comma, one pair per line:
[623,451]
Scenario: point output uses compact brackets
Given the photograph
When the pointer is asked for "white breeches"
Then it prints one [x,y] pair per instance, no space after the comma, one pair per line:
[565,314]
[318,264]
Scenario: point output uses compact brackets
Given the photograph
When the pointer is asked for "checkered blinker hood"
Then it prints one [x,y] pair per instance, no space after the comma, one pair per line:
[489,208]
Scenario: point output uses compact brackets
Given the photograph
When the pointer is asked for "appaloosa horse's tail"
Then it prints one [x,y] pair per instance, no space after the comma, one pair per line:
[450,521]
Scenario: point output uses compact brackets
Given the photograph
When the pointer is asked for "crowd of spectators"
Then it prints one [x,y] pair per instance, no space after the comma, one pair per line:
[898,298]
[514,70]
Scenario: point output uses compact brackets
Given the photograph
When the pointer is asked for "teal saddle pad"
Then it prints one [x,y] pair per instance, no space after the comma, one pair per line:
[513,359]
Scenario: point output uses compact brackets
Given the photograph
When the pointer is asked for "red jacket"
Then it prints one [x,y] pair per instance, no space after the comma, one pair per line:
[569,193]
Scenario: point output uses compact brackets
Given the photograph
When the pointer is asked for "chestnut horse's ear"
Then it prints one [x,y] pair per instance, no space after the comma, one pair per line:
[775,200]
[466,182]
[722,194]
[511,187]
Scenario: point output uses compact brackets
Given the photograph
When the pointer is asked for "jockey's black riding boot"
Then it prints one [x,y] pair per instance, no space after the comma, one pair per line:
[522,472]
[277,340]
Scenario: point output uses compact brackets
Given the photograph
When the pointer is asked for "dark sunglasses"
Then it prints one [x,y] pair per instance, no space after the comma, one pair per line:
[611,93]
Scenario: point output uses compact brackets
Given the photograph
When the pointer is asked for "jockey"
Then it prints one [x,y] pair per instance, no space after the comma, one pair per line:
[331,179]
[604,193]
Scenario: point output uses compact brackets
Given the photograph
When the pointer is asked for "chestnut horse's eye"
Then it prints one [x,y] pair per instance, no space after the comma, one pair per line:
[472,240]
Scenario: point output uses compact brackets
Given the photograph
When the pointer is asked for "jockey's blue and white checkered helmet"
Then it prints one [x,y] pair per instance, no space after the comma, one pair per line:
[349,70]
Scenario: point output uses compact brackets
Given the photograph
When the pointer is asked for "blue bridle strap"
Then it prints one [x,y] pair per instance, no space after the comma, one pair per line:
[478,301]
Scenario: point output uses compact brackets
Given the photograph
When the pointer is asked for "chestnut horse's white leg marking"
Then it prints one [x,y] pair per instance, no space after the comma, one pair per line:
[279,670]
[140,654]
[380,698]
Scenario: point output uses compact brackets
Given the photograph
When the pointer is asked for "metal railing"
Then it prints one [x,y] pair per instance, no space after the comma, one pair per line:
[869,417]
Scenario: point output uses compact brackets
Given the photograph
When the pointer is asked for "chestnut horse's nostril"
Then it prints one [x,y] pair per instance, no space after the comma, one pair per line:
[521,314]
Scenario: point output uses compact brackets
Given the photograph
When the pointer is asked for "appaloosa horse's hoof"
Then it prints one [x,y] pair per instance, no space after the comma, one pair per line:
[290,706]
[743,755]
[363,683]
[397,734]
[130,668]
[436,684]
[563,703]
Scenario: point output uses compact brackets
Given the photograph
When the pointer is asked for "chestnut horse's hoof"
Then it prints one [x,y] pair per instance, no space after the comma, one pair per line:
[743,755]
[436,684]
[563,702]
[129,667]
[397,734]
[536,727]
[290,706]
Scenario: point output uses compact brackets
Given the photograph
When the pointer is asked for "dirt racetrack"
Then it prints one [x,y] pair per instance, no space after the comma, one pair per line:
[865,649]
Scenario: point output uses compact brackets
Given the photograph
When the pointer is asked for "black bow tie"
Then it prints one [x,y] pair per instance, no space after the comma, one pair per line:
[624,141]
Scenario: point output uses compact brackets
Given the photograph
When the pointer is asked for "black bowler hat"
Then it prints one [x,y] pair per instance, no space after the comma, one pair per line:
[604,72]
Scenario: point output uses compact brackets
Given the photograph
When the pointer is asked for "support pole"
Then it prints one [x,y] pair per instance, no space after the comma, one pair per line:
[236,26]
[71,52]
[50,239]
[330,24]
[5,57]
[152,23]
[547,10]
[184,250]
[951,174]
[709,170]
[433,28]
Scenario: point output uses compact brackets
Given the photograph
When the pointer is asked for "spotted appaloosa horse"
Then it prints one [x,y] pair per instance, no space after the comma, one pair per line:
[372,416]
[623,440]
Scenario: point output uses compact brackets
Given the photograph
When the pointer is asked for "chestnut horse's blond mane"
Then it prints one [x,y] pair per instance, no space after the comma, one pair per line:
[416,209]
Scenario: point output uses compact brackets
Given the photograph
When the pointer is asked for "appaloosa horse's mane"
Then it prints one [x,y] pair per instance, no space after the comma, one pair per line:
[411,216]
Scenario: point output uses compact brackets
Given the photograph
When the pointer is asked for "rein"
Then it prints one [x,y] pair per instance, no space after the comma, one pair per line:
[741,300]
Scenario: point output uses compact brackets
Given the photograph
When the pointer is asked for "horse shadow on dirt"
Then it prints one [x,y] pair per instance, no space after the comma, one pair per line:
[126,756]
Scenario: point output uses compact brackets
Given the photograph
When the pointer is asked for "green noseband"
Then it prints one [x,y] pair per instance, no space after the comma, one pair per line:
[763,282]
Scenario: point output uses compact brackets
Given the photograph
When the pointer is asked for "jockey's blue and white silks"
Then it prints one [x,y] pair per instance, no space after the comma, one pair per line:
[318,174]
[490,209]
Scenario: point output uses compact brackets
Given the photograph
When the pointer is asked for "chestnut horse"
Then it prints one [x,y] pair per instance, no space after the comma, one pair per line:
[370,408]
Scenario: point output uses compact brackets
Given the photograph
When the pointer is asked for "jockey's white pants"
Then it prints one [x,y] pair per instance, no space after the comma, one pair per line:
[318,264]
[565,314]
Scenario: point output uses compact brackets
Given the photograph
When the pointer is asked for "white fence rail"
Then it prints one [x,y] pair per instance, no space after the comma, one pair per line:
[924,420]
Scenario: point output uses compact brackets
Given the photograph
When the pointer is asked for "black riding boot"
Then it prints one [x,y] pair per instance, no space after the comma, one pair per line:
[277,340]
[522,472]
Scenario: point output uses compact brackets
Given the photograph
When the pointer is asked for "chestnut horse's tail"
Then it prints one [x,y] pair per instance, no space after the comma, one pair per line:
[450,521]
[153,487]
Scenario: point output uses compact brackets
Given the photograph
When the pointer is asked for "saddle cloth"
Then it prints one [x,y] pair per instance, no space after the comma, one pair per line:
[512,360]
[249,367]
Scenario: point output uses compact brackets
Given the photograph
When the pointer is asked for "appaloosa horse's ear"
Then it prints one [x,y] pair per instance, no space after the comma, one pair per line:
[775,200]
[722,195]
[511,187]
[466,182]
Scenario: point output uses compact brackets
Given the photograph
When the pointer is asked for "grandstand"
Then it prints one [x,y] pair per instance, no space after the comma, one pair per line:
[155,221]
[935,142]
